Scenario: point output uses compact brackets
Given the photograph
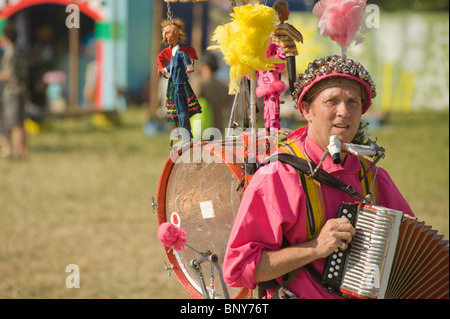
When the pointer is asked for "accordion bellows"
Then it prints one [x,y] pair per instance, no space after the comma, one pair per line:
[391,256]
[420,268]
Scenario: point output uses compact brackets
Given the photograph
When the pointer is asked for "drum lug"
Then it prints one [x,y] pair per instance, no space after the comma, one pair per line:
[154,205]
[168,268]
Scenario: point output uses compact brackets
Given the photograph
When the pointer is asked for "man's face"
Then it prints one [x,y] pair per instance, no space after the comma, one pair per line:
[334,111]
[172,34]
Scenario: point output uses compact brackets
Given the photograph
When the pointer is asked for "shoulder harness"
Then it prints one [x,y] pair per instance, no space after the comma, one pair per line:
[315,206]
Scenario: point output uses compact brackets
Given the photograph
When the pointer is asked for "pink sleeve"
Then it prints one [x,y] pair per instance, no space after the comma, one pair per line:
[259,225]
[244,250]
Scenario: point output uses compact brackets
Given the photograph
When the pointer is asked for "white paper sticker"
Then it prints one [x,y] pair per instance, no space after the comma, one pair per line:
[207,209]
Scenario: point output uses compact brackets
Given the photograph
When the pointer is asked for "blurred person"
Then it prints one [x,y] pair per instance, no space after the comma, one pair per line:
[43,58]
[14,75]
[285,225]
[90,78]
[216,102]
[5,146]
[285,35]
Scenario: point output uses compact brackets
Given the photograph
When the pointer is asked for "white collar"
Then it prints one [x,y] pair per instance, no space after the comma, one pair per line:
[175,49]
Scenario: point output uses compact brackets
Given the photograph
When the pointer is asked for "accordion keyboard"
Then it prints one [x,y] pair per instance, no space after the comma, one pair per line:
[391,256]
[335,264]
[365,265]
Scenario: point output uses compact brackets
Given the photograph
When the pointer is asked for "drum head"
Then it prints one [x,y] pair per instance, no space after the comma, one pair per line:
[199,192]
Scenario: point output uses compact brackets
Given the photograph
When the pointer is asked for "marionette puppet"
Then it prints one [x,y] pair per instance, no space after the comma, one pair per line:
[175,62]
[286,36]
[270,87]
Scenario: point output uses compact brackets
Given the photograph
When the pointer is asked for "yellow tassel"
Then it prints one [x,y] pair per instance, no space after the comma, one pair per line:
[244,41]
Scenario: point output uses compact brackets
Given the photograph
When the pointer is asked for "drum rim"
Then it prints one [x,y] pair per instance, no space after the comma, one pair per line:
[238,172]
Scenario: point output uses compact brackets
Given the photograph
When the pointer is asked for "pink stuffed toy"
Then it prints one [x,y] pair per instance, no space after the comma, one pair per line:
[172,236]
[270,87]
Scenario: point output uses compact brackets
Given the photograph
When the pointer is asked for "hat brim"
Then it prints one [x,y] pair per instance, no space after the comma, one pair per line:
[368,91]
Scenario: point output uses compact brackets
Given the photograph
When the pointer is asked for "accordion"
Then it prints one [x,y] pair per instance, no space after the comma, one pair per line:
[391,256]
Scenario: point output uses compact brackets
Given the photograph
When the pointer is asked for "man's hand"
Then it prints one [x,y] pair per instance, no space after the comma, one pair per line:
[336,233]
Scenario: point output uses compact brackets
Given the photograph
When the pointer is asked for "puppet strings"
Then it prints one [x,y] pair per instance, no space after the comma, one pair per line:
[169,12]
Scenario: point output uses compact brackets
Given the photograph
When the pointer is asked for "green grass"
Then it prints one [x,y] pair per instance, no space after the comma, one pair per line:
[417,158]
[84,197]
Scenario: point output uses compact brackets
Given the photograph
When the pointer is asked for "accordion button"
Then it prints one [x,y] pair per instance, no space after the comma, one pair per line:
[337,267]
[330,276]
[339,260]
[340,254]
[331,269]
[333,263]
[345,211]
[335,273]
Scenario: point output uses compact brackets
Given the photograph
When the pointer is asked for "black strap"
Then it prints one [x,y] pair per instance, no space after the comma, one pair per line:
[309,209]
[321,175]
[285,280]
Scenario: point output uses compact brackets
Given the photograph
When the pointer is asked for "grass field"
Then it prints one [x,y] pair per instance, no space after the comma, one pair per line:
[84,197]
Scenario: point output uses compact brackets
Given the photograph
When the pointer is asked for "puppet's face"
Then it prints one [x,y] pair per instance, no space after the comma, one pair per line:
[172,34]
[284,14]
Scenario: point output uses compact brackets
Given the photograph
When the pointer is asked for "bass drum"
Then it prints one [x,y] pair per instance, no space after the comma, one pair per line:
[200,191]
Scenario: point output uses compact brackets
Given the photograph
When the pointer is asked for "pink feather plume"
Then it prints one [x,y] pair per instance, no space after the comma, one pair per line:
[340,20]
[171,236]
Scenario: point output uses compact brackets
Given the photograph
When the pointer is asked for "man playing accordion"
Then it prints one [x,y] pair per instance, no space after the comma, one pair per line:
[274,232]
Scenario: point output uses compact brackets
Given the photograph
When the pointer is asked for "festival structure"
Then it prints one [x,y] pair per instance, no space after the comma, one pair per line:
[201,186]
[109,18]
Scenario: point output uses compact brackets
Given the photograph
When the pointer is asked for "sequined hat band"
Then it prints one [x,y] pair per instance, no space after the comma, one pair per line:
[334,66]
[333,82]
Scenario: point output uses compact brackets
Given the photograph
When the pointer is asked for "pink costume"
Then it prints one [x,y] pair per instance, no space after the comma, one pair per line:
[274,205]
[270,87]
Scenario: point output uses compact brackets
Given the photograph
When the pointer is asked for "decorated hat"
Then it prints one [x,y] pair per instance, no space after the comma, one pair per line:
[343,72]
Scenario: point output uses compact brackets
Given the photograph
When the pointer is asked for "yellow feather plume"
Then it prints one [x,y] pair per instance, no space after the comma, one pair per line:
[244,41]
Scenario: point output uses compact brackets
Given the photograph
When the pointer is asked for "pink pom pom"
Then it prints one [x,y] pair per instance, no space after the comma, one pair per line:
[340,19]
[171,236]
